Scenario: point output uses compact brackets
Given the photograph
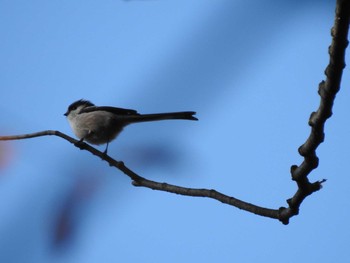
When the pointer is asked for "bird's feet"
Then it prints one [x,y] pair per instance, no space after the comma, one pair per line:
[106,150]
[80,144]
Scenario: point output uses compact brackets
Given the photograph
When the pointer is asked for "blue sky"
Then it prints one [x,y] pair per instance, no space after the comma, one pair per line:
[251,71]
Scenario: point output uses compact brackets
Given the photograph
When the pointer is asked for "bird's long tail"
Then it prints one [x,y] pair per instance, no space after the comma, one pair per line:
[183,115]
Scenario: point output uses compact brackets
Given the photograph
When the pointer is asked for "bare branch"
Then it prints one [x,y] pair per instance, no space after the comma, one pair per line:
[327,91]
[140,181]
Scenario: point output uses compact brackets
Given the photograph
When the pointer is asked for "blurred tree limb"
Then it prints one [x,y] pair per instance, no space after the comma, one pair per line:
[327,91]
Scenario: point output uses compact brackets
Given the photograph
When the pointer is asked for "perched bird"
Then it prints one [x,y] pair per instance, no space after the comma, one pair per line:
[101,124]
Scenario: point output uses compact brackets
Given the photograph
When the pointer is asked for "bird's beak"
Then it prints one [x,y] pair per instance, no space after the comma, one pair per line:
[66,114]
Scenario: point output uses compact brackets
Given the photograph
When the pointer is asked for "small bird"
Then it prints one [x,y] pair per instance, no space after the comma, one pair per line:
[101,124]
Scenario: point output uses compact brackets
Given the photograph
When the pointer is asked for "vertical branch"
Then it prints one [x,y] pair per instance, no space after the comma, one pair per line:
[327,91]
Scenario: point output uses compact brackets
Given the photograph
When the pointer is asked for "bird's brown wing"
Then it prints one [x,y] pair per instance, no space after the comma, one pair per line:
[118,111]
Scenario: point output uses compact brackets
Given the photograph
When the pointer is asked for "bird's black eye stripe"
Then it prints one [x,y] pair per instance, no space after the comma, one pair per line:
[78,103]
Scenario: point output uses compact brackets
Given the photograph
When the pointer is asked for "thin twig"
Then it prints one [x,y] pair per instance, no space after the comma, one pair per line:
[140,181]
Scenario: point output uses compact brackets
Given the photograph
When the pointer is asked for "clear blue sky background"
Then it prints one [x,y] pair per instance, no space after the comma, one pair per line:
[251,71]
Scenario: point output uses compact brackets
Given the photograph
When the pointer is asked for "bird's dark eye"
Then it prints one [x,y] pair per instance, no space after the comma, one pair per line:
[72,108]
